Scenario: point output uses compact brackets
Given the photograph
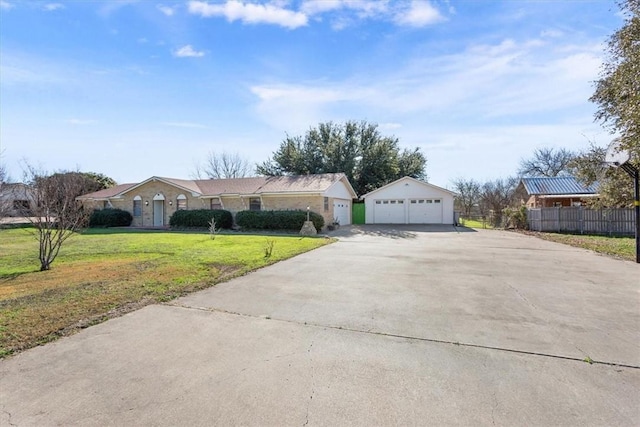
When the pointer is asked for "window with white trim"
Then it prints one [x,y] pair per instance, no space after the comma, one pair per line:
[137,206]
[181,202]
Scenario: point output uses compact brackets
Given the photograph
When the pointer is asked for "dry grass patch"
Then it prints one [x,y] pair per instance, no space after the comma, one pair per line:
[103,274]
[619,247]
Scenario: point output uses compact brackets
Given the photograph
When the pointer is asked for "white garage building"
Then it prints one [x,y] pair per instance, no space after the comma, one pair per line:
[409,201]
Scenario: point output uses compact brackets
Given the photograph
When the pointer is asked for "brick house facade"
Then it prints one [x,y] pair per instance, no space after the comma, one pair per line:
[153,201]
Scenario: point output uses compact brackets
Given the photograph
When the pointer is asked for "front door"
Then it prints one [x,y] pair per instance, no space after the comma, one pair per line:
[158,213]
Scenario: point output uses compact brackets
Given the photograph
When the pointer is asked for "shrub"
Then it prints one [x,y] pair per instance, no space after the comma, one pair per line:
[516,218]
[201,218]
[277,220]
[110,218]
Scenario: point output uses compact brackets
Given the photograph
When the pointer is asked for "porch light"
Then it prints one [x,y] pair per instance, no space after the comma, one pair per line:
[146,203]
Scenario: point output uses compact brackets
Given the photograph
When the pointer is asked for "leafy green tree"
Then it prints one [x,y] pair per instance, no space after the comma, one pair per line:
[357,149]
[617,92]
[615,186]
[100,181]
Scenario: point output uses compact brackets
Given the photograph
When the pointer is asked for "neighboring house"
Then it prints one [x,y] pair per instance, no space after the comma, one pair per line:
[556,192]
[153,201]
[409,201]
[15,199]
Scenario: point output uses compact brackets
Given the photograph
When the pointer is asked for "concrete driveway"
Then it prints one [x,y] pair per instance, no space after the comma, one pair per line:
[389,326]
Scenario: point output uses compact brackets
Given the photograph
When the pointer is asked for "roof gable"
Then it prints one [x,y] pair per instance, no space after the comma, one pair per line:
[557,186]
[408,178]
[186,185]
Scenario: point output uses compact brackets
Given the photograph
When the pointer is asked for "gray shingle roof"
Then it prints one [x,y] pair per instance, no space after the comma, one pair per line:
[558,186]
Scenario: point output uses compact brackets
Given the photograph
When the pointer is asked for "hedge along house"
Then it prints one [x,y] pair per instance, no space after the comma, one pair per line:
[153,201]
[409,201]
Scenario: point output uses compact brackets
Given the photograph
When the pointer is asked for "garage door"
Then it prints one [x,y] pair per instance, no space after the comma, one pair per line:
[341,211]
[388,212]
[425,211]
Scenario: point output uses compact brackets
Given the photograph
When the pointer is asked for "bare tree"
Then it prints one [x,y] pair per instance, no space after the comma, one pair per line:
[547,162]
[496,196]
[223,165]
[5,199]
[468,194]
[615,187]
[54,212]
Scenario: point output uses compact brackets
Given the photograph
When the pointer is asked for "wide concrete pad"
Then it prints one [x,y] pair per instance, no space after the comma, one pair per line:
[389,326]
[489,288]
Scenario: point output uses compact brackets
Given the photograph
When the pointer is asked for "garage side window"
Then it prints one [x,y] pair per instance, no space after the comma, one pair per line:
[137,206]
[326,204]
[181,204]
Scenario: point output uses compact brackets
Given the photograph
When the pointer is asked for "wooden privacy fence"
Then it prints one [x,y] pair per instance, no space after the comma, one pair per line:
[582,220]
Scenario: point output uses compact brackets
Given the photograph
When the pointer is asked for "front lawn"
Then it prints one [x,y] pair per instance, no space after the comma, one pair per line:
[103,273]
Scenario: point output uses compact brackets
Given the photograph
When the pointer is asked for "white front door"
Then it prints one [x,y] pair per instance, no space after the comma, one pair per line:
[158,213]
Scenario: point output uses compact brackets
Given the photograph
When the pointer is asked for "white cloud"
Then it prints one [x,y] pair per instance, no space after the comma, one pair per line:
[419,14]
[187,51]
[506,81]
[50,7]
[389,126]
[5,5]
[185,125]
[167,10]
[551,33]
[113,6]
[363,8]
[250,13]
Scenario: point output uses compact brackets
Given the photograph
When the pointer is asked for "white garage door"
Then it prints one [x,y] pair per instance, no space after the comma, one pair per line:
[342,210]
[425,211]
[389,212]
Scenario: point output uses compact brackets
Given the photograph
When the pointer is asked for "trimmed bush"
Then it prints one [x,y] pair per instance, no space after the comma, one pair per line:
[277,220]
[110,218]
[200,218]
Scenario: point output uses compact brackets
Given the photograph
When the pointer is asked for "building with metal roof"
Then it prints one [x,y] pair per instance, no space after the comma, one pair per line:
[557,191]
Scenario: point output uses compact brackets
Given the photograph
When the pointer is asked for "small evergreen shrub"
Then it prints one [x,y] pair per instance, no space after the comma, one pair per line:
[110,218]
[516,218]
[277,220]
[201,218]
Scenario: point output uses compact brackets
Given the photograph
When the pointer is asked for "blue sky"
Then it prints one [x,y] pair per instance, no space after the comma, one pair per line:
[134,89]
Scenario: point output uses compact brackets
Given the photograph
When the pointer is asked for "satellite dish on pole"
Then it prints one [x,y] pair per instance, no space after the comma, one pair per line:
[616,156]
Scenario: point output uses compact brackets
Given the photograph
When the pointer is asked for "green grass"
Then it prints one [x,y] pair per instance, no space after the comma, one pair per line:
[103,273]
[621,247]
[474,223]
